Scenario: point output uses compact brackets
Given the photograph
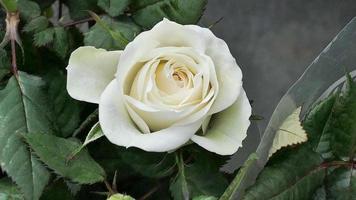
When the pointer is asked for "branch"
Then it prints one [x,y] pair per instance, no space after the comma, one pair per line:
[78,22]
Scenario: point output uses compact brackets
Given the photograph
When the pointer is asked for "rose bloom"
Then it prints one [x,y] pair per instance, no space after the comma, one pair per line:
[170,85]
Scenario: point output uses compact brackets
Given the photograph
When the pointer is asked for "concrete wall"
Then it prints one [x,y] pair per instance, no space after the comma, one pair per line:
[275,40]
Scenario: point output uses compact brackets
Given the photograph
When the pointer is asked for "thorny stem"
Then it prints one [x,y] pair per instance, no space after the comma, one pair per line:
[78,22]
[108,186]
[149,193]
[338,164]
[92,117]
[13,55]
[60,8]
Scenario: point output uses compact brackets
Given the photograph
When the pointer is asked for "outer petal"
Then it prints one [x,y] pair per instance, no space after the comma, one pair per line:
[228,128]
[228,72]
[90,70]
[121,130]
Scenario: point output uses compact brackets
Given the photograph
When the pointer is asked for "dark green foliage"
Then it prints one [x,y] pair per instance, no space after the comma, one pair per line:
[341,184]
[54,151]
[23,109]
[149,12]
[38,117]
[154,165]
[201,177]
[28,9]
[44,37]
[100,37]
[8,190]
[113,7]
[322,168]
[37,24]
[61,42]
[57,191]
[65,110]
[4,64]
[343,123]
[79,9]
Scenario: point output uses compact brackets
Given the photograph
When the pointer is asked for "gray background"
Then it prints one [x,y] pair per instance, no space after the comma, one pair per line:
[275,40]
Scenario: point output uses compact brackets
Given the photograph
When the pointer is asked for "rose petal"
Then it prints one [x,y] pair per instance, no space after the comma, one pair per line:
[228,72]
[90,70]
[119,128]
[229,128]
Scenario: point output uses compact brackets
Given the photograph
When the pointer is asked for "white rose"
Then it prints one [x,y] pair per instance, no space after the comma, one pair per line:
[164,88]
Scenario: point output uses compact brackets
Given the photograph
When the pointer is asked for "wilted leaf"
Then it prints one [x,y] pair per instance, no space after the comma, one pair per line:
[23,109]
[289,133]
[53,151]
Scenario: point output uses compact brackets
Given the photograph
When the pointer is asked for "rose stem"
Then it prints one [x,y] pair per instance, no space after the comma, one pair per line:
[13,54]
[149,193]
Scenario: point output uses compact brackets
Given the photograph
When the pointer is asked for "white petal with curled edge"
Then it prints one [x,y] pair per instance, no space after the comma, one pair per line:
[90,70]
[228,128]
[119,128]
[228,72]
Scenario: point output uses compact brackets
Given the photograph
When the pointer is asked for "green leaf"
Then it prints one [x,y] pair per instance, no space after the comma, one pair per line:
[78,9]
[204,198]
[231,190]
[316,126]
[65,110]
[114,7]
[343,123]
[44,3]
[57,191]
[341,184]
[9,191]
[9,5]
[201,177]
[153,165]
[44,37]
[150,12]
[4,64]
[320,194]
[28,9]
[94,134]
[105,38]
[37,24]
[61,42]
[291,174]
[22,110]
[53,151]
